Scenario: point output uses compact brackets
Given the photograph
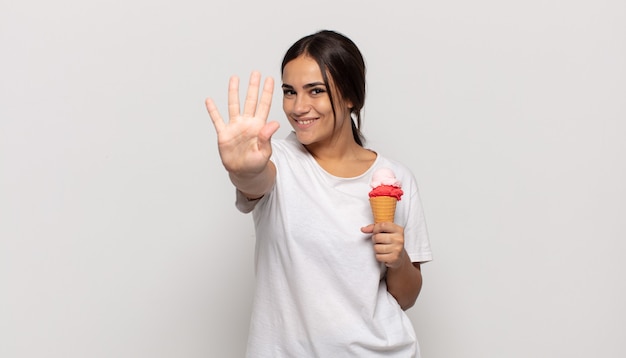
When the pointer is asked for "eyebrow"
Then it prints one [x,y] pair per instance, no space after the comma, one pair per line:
[308,85]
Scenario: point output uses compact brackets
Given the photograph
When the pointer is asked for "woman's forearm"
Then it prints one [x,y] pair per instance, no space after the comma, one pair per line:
[405,282]
[256,185]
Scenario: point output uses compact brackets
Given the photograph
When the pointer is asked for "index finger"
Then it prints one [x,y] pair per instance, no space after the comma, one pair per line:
[265,103]
[385,227]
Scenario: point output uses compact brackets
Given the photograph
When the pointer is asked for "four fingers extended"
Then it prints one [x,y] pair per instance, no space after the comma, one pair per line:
[253,106]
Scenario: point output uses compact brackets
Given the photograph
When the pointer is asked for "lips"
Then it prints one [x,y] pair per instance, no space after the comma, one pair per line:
[304,122]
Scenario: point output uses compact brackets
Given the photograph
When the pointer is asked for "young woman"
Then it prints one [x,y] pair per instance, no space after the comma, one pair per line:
[329,283]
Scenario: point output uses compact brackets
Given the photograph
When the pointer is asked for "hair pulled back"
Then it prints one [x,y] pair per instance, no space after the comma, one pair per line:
[340,58]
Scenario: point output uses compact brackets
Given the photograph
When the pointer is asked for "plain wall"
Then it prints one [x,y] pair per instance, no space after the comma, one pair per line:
[118,232]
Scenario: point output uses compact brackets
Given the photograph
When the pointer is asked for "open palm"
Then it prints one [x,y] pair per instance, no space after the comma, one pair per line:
[244,142]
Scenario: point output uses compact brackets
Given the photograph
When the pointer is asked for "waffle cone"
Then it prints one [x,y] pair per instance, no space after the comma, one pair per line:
[383,208]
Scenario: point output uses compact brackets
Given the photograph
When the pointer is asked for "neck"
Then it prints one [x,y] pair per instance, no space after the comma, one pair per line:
[342,156]
[341,146]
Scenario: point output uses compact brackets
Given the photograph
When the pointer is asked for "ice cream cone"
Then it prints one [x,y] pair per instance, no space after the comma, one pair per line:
[383,208]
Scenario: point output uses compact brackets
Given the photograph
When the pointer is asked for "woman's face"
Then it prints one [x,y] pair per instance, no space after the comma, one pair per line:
[307,104]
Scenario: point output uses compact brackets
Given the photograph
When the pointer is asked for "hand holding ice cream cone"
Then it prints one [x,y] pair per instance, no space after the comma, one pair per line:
[388,238]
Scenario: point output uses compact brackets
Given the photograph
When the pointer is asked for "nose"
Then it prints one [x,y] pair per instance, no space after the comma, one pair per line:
[301,105]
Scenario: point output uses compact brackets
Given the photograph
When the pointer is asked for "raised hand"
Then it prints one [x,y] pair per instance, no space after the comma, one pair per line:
[244,142]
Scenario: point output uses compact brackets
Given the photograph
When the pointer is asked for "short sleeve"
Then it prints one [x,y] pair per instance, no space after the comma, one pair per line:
[243,204]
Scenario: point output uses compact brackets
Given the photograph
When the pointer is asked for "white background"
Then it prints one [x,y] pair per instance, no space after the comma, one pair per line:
[118,232]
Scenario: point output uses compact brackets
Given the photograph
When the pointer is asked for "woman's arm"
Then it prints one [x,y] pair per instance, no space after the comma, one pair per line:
[254,186]
[404,278]
[405,283]
[244,142]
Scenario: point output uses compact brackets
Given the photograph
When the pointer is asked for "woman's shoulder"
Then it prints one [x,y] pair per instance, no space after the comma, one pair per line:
[402,171]
[395,165]
[289,152]
[288,144]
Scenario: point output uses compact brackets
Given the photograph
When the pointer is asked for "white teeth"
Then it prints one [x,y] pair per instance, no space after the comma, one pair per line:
[306,122]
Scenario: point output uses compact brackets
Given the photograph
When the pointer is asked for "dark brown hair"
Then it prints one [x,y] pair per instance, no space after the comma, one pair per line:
[338,56]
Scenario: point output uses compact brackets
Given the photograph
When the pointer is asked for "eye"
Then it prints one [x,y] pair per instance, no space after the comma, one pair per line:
[317,90]
[288,92]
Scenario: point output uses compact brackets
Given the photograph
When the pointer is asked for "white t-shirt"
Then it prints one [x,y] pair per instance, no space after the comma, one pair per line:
[319,290]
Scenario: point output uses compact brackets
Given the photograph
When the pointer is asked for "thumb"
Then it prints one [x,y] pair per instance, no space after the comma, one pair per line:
[368,229]
[267,132]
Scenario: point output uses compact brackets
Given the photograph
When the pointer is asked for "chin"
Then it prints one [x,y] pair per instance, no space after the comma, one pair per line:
[303,138]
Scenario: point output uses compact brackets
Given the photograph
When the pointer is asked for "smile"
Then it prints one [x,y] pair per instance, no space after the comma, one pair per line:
[305,122]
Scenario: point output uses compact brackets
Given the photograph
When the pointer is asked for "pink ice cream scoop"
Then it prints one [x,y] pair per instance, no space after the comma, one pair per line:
[385,183]
[385,193]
